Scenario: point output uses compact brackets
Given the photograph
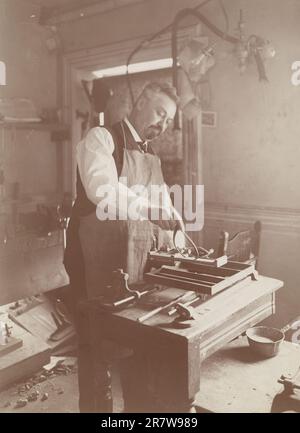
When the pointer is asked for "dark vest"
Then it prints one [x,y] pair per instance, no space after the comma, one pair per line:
[83,206]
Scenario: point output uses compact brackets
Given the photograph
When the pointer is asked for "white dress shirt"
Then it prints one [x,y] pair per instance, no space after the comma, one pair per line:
[97,168]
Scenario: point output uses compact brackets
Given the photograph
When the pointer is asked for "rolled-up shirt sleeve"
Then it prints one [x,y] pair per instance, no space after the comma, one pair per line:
[99,174]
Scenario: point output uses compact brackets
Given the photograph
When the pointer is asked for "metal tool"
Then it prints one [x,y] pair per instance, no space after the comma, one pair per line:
[163,307]
[119,288]
[186,312]
[115,300]
[187,315]
[188,303]
[290,382]
[7,342]
[8,330]
[198,250]
[130,299]
[289,399]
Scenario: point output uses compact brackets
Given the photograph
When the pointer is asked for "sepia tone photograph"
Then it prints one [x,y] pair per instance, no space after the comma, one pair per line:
[149,208]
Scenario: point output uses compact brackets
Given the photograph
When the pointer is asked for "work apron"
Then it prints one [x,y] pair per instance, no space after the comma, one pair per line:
[96,249]
[110,245]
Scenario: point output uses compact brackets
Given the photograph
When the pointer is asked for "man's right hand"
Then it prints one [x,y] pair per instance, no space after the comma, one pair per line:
[165,218]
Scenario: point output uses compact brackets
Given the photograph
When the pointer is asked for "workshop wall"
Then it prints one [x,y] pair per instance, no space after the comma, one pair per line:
[28,157]
[256,140]
[251,158]
[31,73]
[132,21]
[30,66]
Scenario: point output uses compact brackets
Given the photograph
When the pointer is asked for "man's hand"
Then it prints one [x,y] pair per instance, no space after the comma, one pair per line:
[165,218]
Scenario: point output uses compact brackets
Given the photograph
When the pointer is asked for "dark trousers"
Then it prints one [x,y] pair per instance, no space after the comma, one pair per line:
[94,376]
[94,367]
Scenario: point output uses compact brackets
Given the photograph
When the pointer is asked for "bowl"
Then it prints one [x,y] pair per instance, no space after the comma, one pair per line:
[265,340]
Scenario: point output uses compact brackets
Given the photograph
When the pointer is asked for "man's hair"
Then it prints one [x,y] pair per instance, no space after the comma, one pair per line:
[156,87]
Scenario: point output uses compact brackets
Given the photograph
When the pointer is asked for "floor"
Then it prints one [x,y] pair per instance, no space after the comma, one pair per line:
[234,379]
[56,394]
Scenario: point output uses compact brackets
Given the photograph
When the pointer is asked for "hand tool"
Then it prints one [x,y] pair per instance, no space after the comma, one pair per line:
[163,307]
[125,301]
[187,304]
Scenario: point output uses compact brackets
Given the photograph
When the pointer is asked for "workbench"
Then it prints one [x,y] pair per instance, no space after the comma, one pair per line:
[174,355]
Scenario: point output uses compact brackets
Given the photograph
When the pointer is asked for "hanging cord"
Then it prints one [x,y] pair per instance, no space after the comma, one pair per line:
[179,17]
[190,240]
[225,16]
[146,42]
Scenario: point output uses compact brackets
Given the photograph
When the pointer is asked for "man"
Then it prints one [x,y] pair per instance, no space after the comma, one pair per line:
[111,231]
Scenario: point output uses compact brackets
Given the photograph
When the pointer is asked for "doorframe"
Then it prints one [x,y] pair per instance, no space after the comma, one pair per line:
[81,64]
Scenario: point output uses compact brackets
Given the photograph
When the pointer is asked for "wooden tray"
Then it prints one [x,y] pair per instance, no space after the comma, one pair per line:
[204,279]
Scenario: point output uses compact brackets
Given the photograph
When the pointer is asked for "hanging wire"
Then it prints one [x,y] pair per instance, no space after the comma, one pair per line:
[146,42]
[190,240]
[225,16]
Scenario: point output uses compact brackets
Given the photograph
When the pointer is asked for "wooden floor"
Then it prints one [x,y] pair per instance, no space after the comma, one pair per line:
[56,402]
[62,396]
[232,380]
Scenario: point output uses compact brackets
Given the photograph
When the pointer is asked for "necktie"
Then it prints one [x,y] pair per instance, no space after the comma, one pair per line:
[143,145]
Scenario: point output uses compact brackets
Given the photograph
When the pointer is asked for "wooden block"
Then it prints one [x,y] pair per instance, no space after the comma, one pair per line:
[24,361]
[12,344]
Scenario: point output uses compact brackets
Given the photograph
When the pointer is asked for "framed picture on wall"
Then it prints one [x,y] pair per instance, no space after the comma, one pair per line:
[209,119]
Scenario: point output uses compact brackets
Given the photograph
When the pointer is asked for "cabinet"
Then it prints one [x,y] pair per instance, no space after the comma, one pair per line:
[31,234]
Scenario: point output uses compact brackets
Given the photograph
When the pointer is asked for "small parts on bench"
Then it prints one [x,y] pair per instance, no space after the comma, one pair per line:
[8,330]
[5,333]
[7,342]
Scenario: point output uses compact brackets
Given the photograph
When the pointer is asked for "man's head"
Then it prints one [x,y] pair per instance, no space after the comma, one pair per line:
[154,110]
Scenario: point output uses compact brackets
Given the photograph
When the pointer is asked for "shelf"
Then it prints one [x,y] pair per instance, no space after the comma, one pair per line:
[59,132]
[34,125]
[31,201]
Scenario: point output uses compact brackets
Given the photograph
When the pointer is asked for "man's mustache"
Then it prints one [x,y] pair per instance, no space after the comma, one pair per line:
[153,131]
[156,128]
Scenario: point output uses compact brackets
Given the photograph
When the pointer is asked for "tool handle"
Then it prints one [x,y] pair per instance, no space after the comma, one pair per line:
[159,309]
[186,304]
[131,298]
